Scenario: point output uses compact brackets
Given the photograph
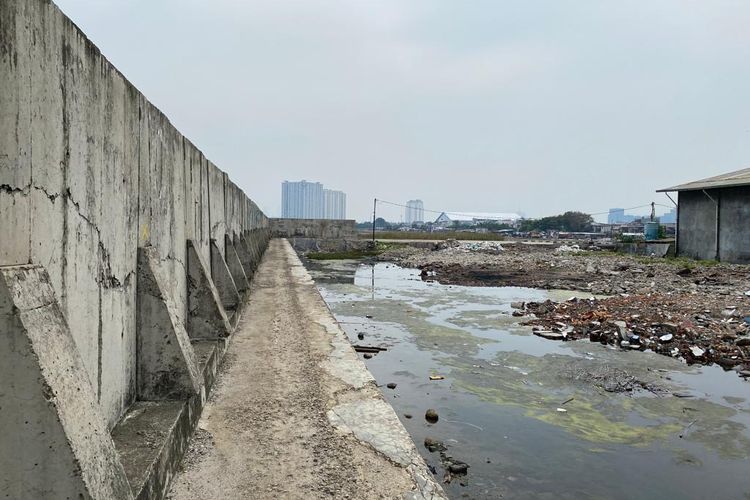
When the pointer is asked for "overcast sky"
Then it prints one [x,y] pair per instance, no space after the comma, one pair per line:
[531,106]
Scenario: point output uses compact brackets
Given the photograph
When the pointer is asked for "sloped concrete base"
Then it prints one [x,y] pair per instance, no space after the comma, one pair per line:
[207,318]
[235,266]
[167,368]
[224,282]
[54,442]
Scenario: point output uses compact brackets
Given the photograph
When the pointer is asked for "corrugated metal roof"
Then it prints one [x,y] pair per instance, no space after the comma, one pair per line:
[732,179]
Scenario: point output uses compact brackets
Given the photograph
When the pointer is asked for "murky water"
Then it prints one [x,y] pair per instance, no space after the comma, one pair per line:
[498,404]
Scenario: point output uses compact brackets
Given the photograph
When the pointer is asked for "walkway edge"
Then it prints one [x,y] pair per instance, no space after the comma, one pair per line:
[365,414]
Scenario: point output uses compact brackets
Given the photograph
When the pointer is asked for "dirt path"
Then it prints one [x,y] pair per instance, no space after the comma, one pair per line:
[265,432]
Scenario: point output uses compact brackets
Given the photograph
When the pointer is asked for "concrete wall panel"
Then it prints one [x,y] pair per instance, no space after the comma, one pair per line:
[697,228]
[15,139]
[89,172]
[734,239]
[218,226]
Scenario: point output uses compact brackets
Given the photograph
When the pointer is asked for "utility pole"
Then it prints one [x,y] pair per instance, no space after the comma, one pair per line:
[374,208]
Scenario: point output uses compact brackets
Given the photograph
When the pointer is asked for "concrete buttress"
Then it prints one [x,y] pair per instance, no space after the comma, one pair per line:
[54,441]
[207,318]
[235,265]
[230,297]
[167,367]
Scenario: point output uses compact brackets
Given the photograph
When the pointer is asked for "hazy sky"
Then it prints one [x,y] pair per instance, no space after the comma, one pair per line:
[530,106]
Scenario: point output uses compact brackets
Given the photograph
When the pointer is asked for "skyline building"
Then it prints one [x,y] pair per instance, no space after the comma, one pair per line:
[310,200]
[302,200]
[335,204]
[414,212]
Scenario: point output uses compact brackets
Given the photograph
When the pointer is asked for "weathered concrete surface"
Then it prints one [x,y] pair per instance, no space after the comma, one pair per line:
[314,228]
[734,225]
[696,236]
[207,318]
[54,439]
[701,215]
[284,420]
[167,368]
[236,269]
[223,280]
[89,171]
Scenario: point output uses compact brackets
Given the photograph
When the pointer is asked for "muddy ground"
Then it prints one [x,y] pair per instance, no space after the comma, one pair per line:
[699,311]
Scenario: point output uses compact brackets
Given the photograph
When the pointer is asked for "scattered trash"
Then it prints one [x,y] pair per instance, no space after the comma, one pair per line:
[684,432]
[367,356]
[369,349]
[408,415]
[437,377]
[697,351]
[682,394]
[667,337]
[562,410]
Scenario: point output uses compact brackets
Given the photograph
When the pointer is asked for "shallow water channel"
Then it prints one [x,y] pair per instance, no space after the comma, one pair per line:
[498,404]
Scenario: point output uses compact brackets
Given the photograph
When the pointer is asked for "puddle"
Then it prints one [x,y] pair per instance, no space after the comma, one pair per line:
[498,404]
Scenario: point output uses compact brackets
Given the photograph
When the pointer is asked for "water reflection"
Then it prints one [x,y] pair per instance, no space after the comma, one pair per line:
[503,387]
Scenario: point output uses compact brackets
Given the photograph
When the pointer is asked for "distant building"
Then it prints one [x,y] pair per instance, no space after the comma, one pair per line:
[302,200]
[617,216]
[335,204]
[474,218]
[414,212]
[669,218]
[712,217]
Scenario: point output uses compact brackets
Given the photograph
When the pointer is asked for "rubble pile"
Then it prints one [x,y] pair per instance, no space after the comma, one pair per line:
[482,247]
[699,329]
[600,273]
[695,310]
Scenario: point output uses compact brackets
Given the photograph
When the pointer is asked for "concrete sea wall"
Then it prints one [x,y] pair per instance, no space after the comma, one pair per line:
[91,174]
[314,228]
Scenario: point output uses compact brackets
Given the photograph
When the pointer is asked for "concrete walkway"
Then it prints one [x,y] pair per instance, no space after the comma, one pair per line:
[295,414]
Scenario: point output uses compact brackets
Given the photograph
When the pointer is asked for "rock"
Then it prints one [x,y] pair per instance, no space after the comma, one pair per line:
[360,335]
[391,385]
[458,467]
[368,316]
[743,342]
[669,327]
[433,445]
[517,305]
[697,351]
[367,355]
[550,335]
[431,416]
[407,415]
[744,373]
[684,272]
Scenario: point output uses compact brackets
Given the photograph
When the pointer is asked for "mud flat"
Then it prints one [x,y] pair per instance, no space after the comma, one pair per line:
[699,311]
[534,418]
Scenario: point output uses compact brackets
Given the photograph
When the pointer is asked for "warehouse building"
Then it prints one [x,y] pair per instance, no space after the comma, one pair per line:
[713,217]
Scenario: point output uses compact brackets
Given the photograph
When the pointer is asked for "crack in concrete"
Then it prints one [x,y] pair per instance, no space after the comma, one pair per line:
[7,188]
